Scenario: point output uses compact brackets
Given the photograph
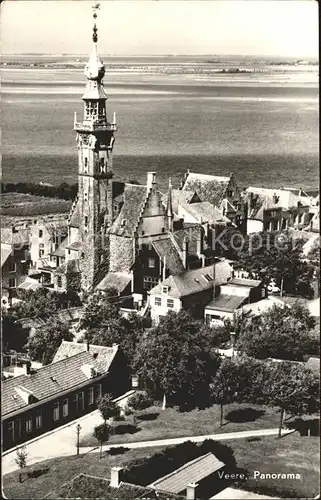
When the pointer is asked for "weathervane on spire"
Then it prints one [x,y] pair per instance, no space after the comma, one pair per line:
[95,7]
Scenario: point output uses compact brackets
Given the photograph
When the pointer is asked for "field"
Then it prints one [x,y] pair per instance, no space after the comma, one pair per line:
[25,205]
[291,454]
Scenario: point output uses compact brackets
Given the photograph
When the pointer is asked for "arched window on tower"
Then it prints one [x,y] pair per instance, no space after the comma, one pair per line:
[102,165]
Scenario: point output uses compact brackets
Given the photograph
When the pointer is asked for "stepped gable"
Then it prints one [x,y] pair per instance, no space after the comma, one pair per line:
[74,216]
[210,188]
[134,198]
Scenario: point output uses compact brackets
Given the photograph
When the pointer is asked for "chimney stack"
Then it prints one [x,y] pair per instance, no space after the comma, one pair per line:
[191,491]
[115,476]
[151,180]
[87,345]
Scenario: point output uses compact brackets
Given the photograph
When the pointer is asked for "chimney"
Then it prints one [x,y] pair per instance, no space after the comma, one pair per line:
[185,251]
[87,346]
[199,244]
[164,268]
[151,180]
[190,491]
[24,369]
[115,476]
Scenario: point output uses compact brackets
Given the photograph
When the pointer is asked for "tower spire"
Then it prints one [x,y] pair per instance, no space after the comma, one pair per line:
[169,206]
[95,7]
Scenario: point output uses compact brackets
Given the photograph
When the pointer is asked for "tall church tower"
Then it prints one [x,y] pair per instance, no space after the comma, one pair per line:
[95,140]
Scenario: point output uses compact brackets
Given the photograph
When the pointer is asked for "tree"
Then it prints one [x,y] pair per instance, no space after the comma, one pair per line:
[175,360]
[43,345]
[294,389]
[21,460]
[14,336]
[105,325]
[107,407]
[139,401]
[283,333]
[102,433]
[44,303]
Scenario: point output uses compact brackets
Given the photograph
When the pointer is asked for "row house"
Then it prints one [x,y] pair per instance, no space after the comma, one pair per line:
[40,400]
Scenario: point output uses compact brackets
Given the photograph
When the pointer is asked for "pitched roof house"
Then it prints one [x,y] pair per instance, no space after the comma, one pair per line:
[40,400]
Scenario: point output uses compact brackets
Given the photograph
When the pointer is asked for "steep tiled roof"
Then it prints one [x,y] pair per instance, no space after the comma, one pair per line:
[116,280]
[60,252]
[180,197]
[190,232]
[226,303]
[59,226]
[126,222]
[48,381]
[103,355]
[16,237]
[191,472]
[5,252]
[206,212]
[166,248]
[210,188]
[194,281]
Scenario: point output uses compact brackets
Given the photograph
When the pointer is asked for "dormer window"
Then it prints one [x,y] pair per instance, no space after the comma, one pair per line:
[165,289]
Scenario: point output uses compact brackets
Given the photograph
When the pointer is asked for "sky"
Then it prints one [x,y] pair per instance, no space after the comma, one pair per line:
[144,27]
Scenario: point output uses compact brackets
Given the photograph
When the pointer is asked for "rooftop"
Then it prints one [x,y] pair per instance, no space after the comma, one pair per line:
[180,197]
[205,212]
[226,303]
[134,199]
[48,381]
[194,281]
[104,356]
[192,472]
[210,188]
[5,252]
[166,248]
[313,364]
[116,280]
[245,282]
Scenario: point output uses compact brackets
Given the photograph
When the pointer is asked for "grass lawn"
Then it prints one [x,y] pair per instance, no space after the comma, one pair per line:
[155,423]
[291,454]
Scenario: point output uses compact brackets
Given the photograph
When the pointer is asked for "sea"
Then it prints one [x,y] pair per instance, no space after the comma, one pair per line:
[255,117]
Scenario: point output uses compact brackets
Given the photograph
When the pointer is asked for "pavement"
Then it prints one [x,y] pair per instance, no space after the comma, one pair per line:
[62,442]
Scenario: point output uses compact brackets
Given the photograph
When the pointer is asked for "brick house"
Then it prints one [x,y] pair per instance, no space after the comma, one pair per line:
[40,400]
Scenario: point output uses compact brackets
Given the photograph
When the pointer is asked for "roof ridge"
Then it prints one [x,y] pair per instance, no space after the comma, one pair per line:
[161,479]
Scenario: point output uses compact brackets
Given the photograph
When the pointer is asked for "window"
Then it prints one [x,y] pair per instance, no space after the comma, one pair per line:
[85,196]
[11,430]
[12,266]
[102,165]
[91,397]
[56,412]
[80,401]
[57,240]
[38,419]
[165,289]
[150,282]
[275,225]
[170,303]
[99,391]
[86,220]
[41,249]
[158,301]
[229,194]
[65,408]
[40,233]
[29,425]
[59,281]
[262,293]
[12,282]
[86,165]
[151,263]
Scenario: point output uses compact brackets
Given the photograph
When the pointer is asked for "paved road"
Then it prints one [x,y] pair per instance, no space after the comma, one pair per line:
[62,442]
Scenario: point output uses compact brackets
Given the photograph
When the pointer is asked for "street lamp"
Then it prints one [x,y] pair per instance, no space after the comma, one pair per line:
[232,336]
[78,427]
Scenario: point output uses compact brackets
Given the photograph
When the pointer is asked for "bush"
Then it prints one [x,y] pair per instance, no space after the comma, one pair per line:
[140,401]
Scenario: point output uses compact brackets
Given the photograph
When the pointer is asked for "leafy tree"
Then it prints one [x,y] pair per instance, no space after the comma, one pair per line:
[43,345]
[14,336]
[21,460]
[107,407]
[44,303]
[105,325]
[139,401]
[283,333]
[102,433]
[175,359]
[294,389]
